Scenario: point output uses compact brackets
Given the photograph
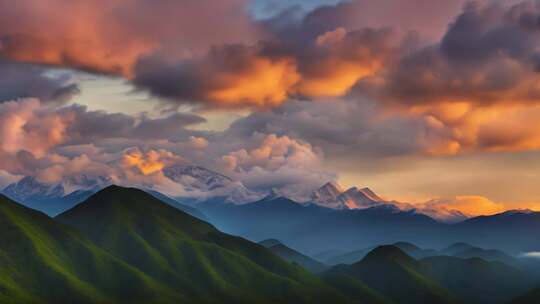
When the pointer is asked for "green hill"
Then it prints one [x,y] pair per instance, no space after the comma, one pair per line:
[293,256]
[477,281]
[392,273]
[189,255]
[42,261]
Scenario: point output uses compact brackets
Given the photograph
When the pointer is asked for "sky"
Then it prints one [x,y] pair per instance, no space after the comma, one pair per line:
[421,100]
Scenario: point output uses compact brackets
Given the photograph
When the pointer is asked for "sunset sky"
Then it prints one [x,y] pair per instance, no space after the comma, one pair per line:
[420,100]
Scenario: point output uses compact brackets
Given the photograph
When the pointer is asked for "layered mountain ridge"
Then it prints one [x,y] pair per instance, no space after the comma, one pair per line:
[198,184]
[125,245]
[193,184]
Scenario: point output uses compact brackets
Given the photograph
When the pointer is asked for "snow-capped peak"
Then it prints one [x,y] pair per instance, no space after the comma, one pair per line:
[85,182]
[370,194]
[201,183]
[29,186]
[328,196]
[331,195]
[273,194]
[197,177]
[355,198]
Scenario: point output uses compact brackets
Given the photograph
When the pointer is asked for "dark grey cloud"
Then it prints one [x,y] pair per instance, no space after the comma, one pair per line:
[353,128]
[488,55]
[18,80]
[172,127]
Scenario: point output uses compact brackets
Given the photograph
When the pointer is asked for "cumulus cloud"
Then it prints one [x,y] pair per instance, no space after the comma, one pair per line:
[480,79]
[430,18]
[54,143]
[233,75]
[33,133]
[293,167]
[124,38]
[24,126]
[269,73]
[349,128]
[110,36]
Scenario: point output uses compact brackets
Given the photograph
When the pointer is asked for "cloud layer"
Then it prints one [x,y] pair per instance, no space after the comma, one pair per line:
[359,84]
[56,143]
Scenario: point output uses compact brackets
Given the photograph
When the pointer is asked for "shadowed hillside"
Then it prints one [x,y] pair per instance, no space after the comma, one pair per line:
[188,254]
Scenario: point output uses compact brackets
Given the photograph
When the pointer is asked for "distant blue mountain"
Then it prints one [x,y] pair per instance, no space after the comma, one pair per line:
[313,229]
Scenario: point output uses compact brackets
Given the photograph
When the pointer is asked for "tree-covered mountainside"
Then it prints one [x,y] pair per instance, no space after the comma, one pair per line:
[190,255]
[42,261]
[123,245]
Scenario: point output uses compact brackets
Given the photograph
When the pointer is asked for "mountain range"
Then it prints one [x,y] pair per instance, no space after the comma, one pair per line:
[314,229]
[332,195]
[195,184]
[198,184]
[333,219]
[125,245]
[459,250]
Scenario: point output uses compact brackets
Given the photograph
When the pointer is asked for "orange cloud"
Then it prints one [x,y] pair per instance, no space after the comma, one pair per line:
[268,74]
[342,58]
[469,205]
[454,128]
[264,83]
[150,162]
[110,36]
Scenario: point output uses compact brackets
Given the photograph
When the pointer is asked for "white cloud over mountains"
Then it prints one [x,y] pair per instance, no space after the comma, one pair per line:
[54,143]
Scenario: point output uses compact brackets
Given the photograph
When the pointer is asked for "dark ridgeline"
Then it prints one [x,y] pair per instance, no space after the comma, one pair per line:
[293,256]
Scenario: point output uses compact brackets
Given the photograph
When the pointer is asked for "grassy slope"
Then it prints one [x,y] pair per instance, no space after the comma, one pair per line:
[190,255]
[42,261]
